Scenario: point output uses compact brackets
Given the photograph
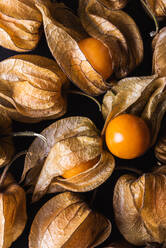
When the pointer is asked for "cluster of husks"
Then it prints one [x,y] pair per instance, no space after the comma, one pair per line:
[118,32]
[31,89]
[67,221]
[70,142]
[20,23]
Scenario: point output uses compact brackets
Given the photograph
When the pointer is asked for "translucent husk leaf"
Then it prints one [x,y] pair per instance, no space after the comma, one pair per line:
[117,30]
[159,54]
[67,221]
[158,8]
[31,88]
[140,203]
[20,23]
[6,144]
[114,4]
[64,47]
[142,96]
[70,141]
[12,211]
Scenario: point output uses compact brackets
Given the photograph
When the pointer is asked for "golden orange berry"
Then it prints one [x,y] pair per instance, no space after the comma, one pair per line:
[98,56]
[127,136]
[77,169]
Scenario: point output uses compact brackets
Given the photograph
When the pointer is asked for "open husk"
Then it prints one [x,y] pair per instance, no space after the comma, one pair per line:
[67,221]
[12,211]
[141,96]
[6,143]
[31,88]
[139,207]
[117,30]
[20,23]
[119,33]
[70,142]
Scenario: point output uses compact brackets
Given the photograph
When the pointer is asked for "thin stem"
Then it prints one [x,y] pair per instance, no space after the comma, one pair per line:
[83,94]
[30,133]
[152,33]
[2,178]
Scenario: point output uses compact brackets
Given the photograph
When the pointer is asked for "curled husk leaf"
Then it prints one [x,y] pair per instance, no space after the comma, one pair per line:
[157,7]
[67,221]
[31,88]
[159,54]
[20,23]
[12,211]
[141,96]
[6,143]
[114,4]
[139,207]
[117,30]
[63,40]
[70,141]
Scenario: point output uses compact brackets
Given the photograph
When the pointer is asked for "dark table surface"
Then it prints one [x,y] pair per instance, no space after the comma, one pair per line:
[81,106]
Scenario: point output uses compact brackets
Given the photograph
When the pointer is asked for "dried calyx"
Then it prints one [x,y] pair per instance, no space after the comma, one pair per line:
[118,34]
[72,159]
[139,202]
[12,209]
[67,221]
[31,88]
[156,8]
[20,23]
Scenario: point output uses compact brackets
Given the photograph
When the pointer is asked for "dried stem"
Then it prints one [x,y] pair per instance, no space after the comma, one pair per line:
[83,94]
[2,178]
[152,33]
[30,133]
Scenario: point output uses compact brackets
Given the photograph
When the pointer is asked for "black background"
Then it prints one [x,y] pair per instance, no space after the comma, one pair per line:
[81,106]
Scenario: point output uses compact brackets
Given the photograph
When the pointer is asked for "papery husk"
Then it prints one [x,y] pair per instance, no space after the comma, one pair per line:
[159,54]
[67,221]
[31,88]
[70,141]
[12,211]
[20,23]
[6,143]
[114,4]
[157,7]
[141,96]
[63,44]
[117,30]
[139,207]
